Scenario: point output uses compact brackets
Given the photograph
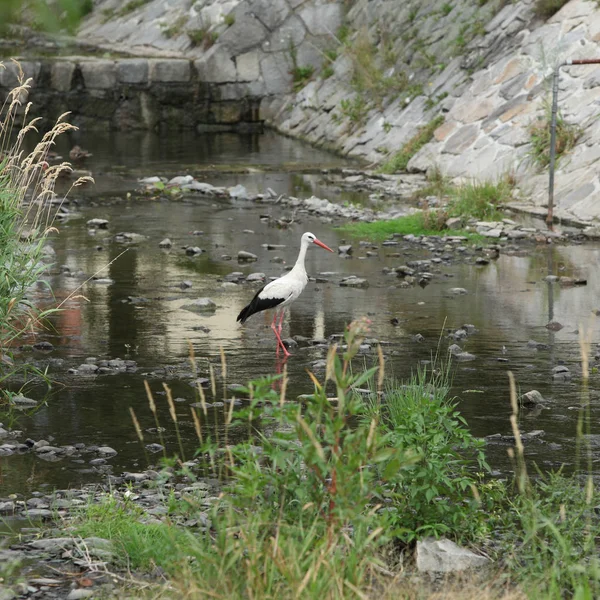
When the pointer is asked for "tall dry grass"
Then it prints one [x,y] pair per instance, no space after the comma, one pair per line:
[28,208]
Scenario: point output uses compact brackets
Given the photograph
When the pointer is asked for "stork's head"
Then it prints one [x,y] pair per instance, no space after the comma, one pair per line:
[309,238]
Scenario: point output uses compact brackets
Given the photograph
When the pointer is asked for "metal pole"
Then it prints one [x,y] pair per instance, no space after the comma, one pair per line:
[550,215]
[581,61]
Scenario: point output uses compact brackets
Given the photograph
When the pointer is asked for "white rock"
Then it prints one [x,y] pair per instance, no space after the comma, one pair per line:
[444,556]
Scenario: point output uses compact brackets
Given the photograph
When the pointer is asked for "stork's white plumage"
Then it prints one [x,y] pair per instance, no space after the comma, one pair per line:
[281,292]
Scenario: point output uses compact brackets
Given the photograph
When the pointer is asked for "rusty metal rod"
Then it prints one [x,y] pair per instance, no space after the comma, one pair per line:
[577,61]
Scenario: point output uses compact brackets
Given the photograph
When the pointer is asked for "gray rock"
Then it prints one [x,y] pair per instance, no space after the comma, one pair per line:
[166,243]
[106,451]
[98,223]
[126,237]
[200,305]
[80,593]
[444,556]
[561,373]
[457,291]
[345,249]
[531,399]
[87,369]
[355,282]
[53,544]
[23,401]
[554,326]
[39,513]
[256,277]
[193,250]
[244,256]
[238,192]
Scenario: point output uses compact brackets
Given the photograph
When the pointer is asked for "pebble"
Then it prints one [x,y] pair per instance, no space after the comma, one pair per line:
[244,256]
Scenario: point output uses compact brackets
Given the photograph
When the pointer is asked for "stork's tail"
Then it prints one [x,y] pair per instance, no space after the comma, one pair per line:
[244,314]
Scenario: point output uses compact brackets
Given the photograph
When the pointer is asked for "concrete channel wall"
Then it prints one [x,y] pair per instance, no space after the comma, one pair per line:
[131,93]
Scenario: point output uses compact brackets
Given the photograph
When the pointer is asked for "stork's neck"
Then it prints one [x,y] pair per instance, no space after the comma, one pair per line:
[299,266]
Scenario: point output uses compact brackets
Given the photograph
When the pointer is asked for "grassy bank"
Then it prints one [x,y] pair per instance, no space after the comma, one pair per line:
[480,201]
[327,499]
[414,224]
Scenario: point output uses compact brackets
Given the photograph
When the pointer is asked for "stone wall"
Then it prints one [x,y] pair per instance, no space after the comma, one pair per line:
[490,93]
[131,93]
[483,66]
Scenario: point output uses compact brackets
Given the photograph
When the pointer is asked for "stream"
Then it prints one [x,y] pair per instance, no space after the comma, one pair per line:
[135,310]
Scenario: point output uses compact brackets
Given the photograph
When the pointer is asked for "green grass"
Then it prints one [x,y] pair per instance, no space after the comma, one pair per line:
[476,200]
[411,224]
[399,161]
[141,545]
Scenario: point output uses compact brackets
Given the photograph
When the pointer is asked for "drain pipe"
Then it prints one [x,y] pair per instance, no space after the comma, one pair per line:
[580,61]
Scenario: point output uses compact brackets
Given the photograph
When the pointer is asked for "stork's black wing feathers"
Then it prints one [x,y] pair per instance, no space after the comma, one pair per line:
[258,304]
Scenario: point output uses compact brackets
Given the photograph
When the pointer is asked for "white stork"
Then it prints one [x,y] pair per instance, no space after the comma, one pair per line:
[282,291]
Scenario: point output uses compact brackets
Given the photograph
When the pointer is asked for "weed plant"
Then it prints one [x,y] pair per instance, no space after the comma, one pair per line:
[567,135]
[27,213]
[322,499]
[399,161]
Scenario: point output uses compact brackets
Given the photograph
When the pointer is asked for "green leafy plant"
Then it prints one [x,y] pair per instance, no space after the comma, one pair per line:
[229,19]
[435,495]
[567,135]
[355,110]
[400,160]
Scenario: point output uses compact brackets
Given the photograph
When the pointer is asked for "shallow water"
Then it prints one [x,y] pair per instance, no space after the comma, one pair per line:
[507,301]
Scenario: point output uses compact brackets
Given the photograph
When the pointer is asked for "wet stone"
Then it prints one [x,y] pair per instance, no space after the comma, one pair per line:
[244,256]
[43,346]
[193,250]
[355,282]
[166,243]
[200,305]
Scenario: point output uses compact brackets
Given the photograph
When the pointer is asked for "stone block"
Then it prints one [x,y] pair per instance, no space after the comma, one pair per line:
[169,70]
[324,19]
[245,33]
[248,66]
[291,33]
[98,74]
[61,75]
[13,74]
[275,69]
[461,139]
[216,66]
[133,70]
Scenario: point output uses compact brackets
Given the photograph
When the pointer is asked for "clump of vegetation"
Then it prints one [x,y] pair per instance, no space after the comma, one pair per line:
[474,200]
[300,74]
[175,28]
[399,161]
[567,135]
[203,37]
[130,6]
[229,19]
[368,78]
[546,8]
[59,15]
[419,223]
[26,218]
[325,498]
[354,110]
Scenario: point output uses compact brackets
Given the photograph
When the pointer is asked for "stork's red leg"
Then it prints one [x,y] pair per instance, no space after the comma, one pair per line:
[279,342]
[280,326]
[274,328]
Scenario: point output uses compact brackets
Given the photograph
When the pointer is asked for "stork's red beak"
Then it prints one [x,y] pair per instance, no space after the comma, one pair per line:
[318,243]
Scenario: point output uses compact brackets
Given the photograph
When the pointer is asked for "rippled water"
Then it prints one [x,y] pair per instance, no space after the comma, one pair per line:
[508,302]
